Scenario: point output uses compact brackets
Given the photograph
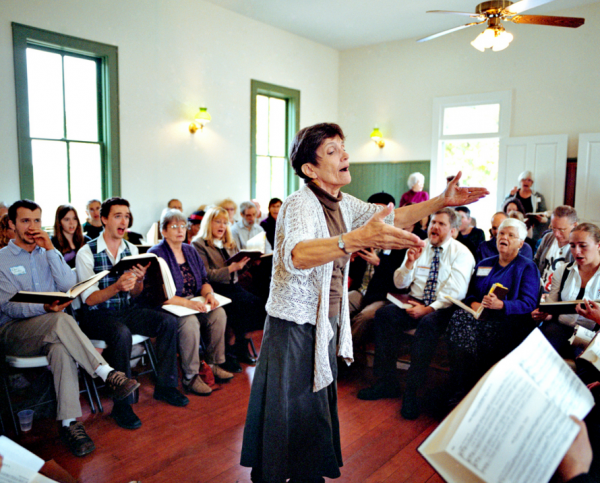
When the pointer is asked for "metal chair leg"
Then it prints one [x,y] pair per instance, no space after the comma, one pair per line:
[88,392]
[95,388]
[151,356]
[251,342]
[10,408]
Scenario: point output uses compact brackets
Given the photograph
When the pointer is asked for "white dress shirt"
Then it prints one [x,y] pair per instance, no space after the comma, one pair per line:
[85,262]
[241,235]
[456,268]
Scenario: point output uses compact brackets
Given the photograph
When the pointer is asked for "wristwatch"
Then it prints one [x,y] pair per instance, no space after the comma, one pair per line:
[342,245]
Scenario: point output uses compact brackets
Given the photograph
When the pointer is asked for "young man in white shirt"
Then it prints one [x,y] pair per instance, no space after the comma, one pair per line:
[554,247]
[109,313]
[443,267]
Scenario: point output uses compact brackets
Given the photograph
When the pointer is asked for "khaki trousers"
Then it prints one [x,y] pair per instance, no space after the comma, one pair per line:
[362,318]
[212,325]
[57,336]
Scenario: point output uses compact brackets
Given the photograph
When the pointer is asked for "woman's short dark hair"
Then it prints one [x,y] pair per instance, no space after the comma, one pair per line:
[517,202]
[274,201]
[307,141]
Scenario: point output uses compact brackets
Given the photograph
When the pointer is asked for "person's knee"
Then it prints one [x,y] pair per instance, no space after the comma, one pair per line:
[187,326]
[218,318]
[120,336]
[58,354]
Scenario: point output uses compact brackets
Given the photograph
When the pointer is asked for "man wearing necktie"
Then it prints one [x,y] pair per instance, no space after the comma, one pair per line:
[443,267]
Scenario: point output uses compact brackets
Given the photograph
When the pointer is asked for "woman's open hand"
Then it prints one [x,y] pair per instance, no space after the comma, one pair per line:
[457,196]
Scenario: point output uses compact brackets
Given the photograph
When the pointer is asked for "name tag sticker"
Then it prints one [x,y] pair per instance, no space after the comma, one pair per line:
[387,252]
[483,271]
[422,270]
[20,270]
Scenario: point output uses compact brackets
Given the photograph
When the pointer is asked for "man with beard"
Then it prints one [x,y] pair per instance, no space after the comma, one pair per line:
[247,227]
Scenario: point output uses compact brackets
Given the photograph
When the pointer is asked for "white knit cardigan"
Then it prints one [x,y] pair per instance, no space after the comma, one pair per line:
[302,295]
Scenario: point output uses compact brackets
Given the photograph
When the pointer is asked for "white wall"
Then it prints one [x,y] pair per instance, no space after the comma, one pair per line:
[553,72]
[175,56]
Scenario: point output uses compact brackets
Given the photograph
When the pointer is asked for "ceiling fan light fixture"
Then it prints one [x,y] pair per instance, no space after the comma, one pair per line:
[494,37]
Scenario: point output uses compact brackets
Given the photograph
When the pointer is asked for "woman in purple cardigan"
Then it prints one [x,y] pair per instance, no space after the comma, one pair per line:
[191,280]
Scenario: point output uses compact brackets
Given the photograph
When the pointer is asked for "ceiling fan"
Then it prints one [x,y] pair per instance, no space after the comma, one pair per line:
[494,12]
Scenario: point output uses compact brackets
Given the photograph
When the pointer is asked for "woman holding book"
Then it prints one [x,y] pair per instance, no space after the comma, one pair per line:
[575,281]
[292,427]
[476,345]
[245,313]
[68,235]
[191,280]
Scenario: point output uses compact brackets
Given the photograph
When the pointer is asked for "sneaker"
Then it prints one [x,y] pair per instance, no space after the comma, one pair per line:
[120,385]
[221,375]
[171,396]
[380,390]
[125,417]
[196,386]
[77,439]
[410,406]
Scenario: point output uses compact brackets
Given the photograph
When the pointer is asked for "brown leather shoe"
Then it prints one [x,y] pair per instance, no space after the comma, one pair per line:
[197,386]
[77,439]
[120,385]
[221,375]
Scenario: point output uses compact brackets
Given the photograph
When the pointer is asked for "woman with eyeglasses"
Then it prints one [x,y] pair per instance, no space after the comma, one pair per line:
[246,313]
[191,280]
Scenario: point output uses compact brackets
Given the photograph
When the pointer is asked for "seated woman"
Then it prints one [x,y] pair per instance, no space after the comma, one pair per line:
[574,281]
[476,345]
[269,223]
[246,313]
[6,232]
[191,280]
[68,236]
[415,193]
[93,226]
[231,207]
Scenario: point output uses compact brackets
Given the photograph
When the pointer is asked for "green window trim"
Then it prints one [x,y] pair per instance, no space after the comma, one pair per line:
[108,101]
[292,96]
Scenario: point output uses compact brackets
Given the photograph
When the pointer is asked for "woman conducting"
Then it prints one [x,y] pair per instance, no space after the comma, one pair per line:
[292,428]
[476,345]
[191,281]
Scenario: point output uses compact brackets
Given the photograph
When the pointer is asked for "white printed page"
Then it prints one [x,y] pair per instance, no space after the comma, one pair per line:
[512,432]
[18,464]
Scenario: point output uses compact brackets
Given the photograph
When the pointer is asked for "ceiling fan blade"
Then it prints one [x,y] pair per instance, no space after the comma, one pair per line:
[472,15]
[445,32]
[572,22]
[524,5]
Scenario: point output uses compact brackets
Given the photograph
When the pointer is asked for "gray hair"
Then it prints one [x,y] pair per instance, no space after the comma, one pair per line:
[526,175]
[519,225]
[415,178]
[245,205]
[3,205]
[452,216]
[565,211]
[169,215]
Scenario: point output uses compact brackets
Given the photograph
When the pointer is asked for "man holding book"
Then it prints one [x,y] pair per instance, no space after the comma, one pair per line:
[110,314]
[443,267]
[31,263]
[247,227]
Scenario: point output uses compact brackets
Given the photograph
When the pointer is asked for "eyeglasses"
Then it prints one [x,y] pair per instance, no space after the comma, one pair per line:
[183,226]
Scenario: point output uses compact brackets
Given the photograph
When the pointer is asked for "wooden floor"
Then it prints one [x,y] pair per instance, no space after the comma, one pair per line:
[202,442]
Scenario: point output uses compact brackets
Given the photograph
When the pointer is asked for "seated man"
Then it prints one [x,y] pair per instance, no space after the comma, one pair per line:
[489,249]
[442,268]
[31,263]
[468,231]
[247,227]
[554,248]
[109,314]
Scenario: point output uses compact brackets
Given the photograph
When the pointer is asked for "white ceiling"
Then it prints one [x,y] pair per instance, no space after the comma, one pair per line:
[346,24]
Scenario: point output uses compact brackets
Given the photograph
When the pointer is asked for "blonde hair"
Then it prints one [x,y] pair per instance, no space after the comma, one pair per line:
[226,202]
[206,227]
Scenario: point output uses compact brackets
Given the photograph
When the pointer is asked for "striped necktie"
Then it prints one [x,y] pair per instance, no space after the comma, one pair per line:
[432,279]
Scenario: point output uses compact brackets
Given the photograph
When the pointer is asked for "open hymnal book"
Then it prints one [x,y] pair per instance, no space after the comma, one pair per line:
[588,343]
[19,465]
[63,297]
[514,425]
[562,308]
[255,249]
[152,235]
[481,313]
[180,311]
[400,299]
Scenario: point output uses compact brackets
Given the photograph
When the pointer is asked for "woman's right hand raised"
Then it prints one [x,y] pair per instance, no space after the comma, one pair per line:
[377,234]
[234,267]
[513,191]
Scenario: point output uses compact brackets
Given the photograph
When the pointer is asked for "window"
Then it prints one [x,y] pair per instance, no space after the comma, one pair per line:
[67,119]
[467,132]
[275,120]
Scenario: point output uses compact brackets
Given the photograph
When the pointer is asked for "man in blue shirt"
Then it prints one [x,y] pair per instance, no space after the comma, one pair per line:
[31,263]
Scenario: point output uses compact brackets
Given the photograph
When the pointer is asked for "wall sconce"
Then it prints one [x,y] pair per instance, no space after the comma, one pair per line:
[202,118]
[377,137]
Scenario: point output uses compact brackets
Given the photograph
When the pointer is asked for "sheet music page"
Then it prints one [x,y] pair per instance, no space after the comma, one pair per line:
[18,464]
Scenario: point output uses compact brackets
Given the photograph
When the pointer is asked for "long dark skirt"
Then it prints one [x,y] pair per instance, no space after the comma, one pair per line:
[291,431]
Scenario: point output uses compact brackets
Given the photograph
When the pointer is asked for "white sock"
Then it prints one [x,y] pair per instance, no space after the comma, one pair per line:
[67,422]
[189,377]
[103,370]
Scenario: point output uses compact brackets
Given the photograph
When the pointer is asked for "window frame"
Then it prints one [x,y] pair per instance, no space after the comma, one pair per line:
[108,101]
[504,98]
[292,98]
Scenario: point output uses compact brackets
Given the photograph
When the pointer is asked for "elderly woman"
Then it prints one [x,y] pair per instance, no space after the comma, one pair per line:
[191,280]
[245,313]
[231,207]
[415,193]
[475,345]
[532,202]
[575,281]
[292,427]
